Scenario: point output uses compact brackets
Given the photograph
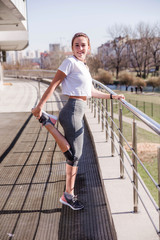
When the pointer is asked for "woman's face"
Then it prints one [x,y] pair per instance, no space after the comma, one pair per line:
[80,48]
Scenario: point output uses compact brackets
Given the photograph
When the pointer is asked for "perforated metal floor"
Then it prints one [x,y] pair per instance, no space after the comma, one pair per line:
[32,179]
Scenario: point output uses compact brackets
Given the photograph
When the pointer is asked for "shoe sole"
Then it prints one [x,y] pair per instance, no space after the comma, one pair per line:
[52,119]
[49,115]
[67,204]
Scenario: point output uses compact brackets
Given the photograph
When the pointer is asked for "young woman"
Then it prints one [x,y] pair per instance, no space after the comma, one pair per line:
[77,85]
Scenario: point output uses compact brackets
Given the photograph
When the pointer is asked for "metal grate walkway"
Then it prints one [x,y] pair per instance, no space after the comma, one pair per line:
[32,179]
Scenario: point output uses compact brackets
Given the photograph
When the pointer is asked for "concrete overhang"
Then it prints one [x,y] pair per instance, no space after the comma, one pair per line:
[13,25]
[16,40]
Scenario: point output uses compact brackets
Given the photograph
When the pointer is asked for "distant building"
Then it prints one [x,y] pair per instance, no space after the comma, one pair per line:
[11,57]
[30,54]
[108,48]
[45,60]
[37,59]
[38,53]
[54,47]
[24,57]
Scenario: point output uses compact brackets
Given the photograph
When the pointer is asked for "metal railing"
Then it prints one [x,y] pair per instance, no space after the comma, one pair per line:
[106,116]
[100,108]
[32,74]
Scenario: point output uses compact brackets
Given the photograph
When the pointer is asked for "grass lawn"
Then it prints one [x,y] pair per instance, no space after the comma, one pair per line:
[152,168]
[149,103]
[147,144]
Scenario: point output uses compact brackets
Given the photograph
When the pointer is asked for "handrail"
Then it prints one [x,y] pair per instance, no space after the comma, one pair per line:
[142,116]
[135,178]
[27,70]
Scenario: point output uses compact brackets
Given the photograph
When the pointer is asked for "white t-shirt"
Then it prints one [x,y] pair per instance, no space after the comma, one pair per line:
[78,80]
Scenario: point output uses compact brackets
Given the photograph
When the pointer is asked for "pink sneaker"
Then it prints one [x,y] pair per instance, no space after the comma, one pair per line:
[46,119]
[73,203]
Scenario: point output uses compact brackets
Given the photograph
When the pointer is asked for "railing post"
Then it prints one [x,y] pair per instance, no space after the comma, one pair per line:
[95,107]
[158,158]
[152,109]
[99,109]
[89,103]
[144,107]
[112,129]
[134,160]
[39,88]
[102,115]
[121,142]
[1,75]
[106,120]
[92,102]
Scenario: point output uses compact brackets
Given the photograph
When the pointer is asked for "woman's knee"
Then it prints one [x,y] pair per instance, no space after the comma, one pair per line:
[73,163]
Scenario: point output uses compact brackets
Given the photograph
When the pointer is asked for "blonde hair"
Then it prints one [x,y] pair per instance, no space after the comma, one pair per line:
[80,34]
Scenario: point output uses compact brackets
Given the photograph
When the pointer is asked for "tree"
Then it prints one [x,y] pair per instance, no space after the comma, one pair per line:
[94,64]
[56,58]
[155,48]
[116,56]
[139,49]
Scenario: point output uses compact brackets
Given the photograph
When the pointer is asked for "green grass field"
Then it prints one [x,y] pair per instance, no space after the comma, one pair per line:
[147,155]
[149,103]
[152,168]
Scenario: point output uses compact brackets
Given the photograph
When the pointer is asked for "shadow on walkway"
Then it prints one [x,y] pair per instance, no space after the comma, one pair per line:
[32,179]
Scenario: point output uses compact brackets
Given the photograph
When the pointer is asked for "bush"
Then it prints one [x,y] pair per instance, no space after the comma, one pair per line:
[139,82]
[154,82]
[126,78]
[104,76]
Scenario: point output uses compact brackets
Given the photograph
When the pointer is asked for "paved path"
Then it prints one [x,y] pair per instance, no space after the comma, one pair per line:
[22,96]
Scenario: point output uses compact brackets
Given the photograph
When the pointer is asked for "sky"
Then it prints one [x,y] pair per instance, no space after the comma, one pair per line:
[56,21]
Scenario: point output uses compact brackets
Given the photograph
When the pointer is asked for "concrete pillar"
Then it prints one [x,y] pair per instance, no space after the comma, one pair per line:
[1,76]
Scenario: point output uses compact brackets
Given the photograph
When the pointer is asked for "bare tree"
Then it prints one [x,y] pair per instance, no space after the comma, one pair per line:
[116,56]
[139,49]
[135,49]
[56,59]
[154,42]
[94,63]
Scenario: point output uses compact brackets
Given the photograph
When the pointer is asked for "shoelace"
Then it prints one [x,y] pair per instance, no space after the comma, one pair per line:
[74,198]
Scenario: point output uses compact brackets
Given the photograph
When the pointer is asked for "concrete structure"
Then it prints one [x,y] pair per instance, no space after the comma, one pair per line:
[13,28]
[13,25]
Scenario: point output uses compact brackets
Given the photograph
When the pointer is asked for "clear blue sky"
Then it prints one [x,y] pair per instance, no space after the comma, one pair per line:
[56,21]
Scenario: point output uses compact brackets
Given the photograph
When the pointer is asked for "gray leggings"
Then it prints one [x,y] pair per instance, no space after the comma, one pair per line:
[71,119]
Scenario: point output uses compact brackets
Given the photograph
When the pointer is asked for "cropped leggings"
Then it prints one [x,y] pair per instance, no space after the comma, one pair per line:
[71,119]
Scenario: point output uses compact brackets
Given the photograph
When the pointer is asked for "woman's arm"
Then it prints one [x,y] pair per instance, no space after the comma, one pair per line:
[98,94]
[59,77]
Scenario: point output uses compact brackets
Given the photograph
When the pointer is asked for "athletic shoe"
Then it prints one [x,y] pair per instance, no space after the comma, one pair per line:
[46,119]
[72,203]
